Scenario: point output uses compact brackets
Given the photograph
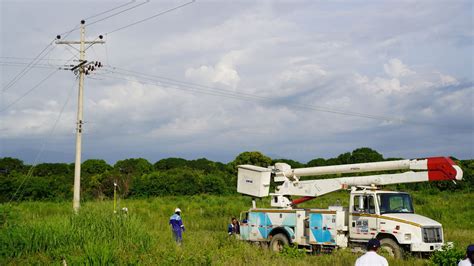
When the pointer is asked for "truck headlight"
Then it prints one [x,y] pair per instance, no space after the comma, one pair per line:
[407,237]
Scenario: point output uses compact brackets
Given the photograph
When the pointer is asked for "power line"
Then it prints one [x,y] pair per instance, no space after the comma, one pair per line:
[96,15]
[239,94]
[118,13]
[153,80]
[167,79]
[34,87]
[38,155]
[20,64]
[29,91]
[40,56]
[182,83]
[32,63]
[109,10]
[26,69]
[16,65]
[151,17]
[30,58]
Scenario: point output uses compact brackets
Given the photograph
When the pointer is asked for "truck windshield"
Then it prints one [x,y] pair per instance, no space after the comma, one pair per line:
[394,203]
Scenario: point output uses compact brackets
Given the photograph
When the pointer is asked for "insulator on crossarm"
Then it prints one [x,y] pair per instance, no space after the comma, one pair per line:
[100,64]
[96,63]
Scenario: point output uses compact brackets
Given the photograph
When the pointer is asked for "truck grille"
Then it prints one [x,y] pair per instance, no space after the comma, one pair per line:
[432,235]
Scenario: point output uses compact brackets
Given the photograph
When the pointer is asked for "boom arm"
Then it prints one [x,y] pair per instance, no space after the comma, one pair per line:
[431,169]
[440,168]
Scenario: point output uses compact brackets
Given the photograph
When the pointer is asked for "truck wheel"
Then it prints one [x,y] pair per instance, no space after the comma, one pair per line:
[278,242]
[391,247]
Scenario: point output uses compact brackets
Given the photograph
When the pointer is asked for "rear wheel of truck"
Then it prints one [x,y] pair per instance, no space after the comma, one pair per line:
[391,247]
[278,242]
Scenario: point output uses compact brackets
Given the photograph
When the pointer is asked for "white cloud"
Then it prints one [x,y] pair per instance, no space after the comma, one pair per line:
[379,85]
[396,69]
[223,72]
[304,73]
[448,80]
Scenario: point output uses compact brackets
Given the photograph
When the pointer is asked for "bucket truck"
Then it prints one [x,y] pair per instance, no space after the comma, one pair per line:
[372,213]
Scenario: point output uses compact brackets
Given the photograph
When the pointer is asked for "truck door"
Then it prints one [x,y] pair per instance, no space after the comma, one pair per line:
[363,218]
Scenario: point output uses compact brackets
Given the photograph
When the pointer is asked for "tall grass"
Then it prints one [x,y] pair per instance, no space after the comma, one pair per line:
[94,236]
[48,233]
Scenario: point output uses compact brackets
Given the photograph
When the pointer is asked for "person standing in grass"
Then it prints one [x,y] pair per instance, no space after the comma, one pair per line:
[469,260]
[371,258]
[233,228]
[177,226]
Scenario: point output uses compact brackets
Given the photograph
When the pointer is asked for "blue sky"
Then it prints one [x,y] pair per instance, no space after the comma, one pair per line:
[408,61]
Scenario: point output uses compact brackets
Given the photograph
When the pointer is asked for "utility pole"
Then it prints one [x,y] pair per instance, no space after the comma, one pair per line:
[82,69]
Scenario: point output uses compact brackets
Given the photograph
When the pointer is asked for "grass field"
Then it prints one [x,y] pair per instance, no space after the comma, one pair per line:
[48,232]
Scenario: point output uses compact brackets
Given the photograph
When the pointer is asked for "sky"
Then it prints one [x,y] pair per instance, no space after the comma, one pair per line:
[291,79]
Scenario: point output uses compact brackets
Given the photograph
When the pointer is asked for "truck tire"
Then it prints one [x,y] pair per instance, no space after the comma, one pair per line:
[391,247]
[278,242]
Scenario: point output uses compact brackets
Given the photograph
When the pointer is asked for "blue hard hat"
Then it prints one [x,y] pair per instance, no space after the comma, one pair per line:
[373,243]
[470,250]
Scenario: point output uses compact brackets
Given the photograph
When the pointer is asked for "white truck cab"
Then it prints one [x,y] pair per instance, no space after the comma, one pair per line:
[390,215]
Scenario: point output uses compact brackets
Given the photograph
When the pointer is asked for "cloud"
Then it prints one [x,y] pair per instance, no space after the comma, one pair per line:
[396,69]
[447,80]
[379,85]
[223,72]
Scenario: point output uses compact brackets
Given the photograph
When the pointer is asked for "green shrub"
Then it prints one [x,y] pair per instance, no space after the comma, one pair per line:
[450,255]
[292,252]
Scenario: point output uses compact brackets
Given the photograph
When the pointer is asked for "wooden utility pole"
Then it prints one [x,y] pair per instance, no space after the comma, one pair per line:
[81,69]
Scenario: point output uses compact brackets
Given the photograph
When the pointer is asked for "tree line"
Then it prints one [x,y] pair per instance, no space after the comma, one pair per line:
[137,177]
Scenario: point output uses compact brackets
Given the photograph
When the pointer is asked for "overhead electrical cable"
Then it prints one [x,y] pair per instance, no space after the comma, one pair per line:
[33,88]
[20,64]
[151,17]
[118,13]
[29,91]
[29,58]
[27,67]
[35,61]
[219,90]
[97,15]
[110,10]
[240,94]
[153,80]
[43,145]
[63,35]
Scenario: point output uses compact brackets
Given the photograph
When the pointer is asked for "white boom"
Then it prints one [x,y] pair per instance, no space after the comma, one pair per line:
[255,181]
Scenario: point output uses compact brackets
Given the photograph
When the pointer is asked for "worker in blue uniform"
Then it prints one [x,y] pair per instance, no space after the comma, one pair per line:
[177,226]
[233,228]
